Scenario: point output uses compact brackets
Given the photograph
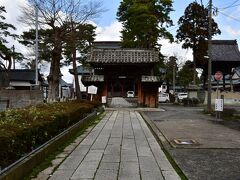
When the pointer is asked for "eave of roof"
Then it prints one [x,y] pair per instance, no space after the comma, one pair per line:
[225,50]
[81,70]
[22,75]
[123,56]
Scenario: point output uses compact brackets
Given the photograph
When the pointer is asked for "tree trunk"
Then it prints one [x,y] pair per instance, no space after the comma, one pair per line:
[194,66]
[77,85]
[55,73]
[53,79]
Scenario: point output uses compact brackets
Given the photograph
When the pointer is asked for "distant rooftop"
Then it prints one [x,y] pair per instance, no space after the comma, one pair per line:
[22,75]
[225,50]
[82,70]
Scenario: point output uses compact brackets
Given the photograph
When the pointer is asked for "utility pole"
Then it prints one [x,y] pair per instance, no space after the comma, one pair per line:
[36,46]
[209,108]
[174,77]
[173,61]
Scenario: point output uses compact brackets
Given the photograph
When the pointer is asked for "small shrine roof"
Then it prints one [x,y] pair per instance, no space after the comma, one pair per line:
[123,56]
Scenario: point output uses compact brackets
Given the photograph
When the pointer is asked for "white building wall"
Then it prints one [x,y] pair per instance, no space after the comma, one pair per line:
[82,87]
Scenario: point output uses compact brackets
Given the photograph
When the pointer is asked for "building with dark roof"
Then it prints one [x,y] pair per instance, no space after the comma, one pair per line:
[82,70]
[118,70]
[19,78]
[225,55]
[18,88]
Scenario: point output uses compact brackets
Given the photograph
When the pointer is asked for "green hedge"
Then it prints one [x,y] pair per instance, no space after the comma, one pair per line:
[22,130]
[190,101]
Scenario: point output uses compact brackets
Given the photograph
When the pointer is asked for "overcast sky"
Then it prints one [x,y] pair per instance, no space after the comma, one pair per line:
[227,17]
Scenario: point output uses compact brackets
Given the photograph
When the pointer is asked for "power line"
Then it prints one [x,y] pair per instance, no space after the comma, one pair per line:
[230,16]
[230,6]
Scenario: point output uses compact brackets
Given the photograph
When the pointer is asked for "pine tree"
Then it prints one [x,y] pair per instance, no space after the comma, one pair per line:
[144,22]
[6,53]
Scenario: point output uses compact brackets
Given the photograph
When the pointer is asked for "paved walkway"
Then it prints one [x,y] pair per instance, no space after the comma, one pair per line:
[120,146]
[119,102]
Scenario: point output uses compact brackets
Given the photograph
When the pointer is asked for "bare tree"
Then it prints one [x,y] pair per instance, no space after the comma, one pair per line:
[57,15]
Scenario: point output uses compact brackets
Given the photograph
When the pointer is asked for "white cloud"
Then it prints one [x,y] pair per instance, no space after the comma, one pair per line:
[232,32]
[174,49]
[66,75]
[13,9]
[109,33]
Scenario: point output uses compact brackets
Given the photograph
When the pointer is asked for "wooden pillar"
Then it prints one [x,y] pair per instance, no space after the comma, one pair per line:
[112,89]
[105,89]
[140,94]
[152,103]
[147,99]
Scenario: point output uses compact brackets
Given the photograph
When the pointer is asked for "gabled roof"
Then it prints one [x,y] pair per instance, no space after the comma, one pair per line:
[225,50]
[82,70]
[22,75]
[65,84]
[123,56]
[26,75]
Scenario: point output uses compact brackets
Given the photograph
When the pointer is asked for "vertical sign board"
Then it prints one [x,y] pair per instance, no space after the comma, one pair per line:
[218,104]
[104,99]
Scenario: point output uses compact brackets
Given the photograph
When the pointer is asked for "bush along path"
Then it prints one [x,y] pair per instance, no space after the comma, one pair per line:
[23,130]
[46,168]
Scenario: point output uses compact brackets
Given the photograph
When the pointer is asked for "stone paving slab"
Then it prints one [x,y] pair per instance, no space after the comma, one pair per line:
[120,146]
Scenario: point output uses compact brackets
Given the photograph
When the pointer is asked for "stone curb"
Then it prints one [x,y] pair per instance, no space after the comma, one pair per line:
[163,142]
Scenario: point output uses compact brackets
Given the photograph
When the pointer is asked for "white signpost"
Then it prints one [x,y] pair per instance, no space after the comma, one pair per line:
[218,102]
[104,99]
[92,90]
[219,105]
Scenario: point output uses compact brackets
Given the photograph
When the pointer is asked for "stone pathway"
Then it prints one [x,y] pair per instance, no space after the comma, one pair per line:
[119,102]
[120,146]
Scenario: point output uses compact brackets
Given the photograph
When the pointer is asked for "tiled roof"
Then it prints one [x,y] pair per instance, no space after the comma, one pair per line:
[21,74]
[123,56]
[82,70]
[225,50]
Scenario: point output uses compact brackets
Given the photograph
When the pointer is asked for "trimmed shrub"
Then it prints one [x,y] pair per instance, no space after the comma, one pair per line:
[228,113]
[195,101]
[190,101]
[22,130]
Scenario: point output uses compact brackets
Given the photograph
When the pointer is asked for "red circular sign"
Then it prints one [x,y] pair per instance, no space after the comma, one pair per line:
[218,76]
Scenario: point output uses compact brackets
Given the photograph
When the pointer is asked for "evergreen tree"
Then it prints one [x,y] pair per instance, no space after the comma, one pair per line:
[6,53]
[79,38]
[185,74]
[144,22]
[193,32]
